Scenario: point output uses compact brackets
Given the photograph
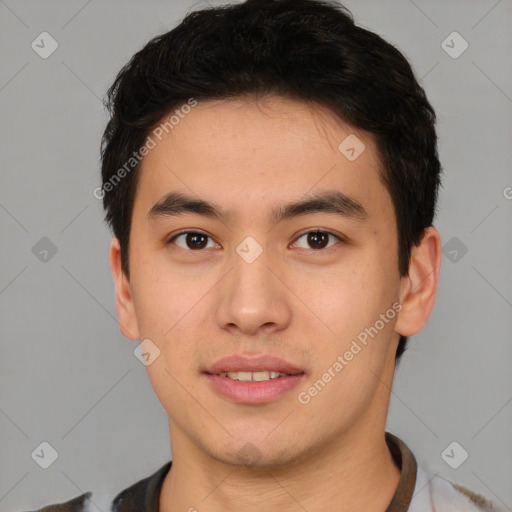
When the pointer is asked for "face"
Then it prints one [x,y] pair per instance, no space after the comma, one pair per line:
[248,276]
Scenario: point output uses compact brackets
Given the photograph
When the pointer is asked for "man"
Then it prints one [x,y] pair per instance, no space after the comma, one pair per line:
[270,173]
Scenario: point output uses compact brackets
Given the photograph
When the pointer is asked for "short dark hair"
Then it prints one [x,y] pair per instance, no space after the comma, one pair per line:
[309,50]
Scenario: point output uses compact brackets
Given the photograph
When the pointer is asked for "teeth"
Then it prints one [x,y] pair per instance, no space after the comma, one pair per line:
[253,376]
[240,375]
[259,376]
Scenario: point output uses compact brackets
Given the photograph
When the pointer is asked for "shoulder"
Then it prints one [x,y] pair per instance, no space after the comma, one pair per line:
[141,496]
[78,504]
[477,499]
[435,493]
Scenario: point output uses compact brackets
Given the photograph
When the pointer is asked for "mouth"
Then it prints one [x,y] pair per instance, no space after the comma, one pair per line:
[259,376]
[258,380]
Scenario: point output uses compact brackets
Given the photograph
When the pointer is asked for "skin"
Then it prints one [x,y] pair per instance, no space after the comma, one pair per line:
[302,303]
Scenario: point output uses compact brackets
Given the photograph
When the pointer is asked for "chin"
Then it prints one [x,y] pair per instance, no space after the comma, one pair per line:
[260,454]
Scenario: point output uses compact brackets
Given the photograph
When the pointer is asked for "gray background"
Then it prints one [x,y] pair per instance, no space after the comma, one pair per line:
[69,377]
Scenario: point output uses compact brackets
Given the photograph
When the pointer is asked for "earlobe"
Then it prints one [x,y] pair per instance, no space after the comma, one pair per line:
[419,289]
[124,300]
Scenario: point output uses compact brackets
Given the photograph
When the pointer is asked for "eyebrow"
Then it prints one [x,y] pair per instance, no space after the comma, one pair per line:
[329,201]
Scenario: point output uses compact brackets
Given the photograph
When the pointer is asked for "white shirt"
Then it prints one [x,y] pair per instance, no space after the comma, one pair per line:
[433,493]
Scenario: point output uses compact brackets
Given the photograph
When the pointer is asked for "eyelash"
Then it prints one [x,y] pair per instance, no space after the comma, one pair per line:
[177,235]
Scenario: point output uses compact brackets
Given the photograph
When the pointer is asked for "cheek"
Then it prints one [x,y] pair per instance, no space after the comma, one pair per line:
[174,313]
[161,301]
[342,298]
[344,305]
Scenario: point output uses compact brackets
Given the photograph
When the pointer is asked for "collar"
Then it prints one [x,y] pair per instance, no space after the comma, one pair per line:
[406,462]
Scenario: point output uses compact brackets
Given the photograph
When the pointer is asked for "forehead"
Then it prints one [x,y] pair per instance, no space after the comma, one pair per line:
[244,152]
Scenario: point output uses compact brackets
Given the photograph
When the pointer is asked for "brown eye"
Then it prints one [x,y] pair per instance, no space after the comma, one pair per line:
[191,240]
[318,239]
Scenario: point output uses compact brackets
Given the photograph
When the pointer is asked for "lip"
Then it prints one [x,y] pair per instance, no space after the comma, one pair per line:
[253,392]
[240,363]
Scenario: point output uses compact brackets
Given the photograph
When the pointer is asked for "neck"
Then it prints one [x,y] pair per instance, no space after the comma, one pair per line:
[356,472]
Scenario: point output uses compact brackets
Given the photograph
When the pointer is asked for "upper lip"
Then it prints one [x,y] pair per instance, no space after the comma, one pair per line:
[240,363]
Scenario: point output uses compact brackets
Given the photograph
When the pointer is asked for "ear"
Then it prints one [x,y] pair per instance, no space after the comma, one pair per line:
[124,301]
[418,290]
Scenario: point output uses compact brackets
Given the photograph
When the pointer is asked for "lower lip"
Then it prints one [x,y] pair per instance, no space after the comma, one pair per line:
[253,392]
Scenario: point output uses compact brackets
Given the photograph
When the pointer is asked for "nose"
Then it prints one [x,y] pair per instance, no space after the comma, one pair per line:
[253,296]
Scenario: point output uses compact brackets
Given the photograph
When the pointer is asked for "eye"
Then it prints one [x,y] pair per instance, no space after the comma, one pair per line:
[318,239]
[193,240]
